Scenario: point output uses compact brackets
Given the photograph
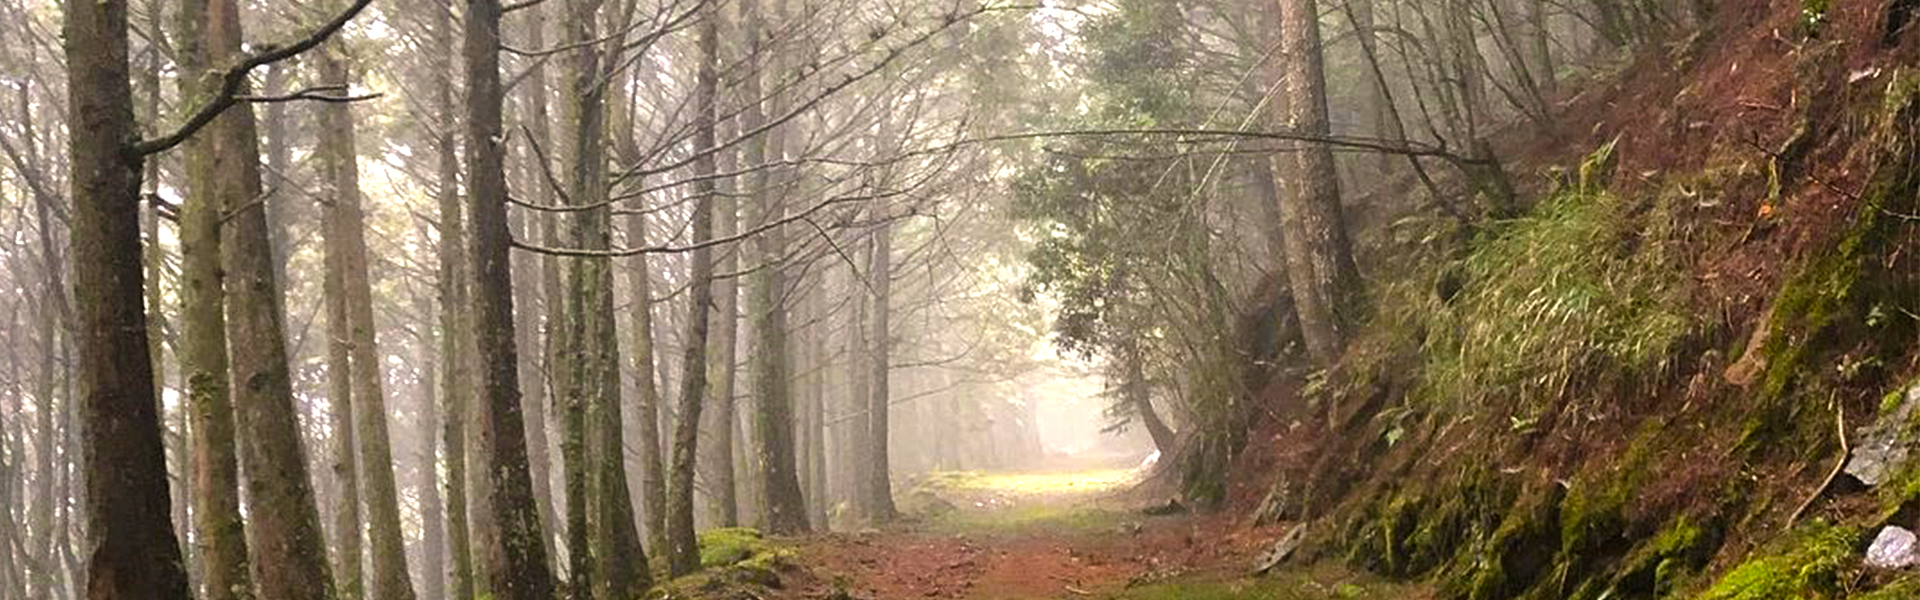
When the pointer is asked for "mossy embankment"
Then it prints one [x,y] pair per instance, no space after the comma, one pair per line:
[1639,388]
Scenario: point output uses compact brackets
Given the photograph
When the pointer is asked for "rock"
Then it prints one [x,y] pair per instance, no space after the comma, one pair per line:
[1277,506]
[1282,549]
[1894,548]
[1884,446]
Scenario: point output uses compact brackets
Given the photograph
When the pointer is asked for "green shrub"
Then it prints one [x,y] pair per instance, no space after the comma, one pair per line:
[1581,287]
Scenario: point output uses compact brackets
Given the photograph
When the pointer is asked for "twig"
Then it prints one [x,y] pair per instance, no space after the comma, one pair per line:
[1846,450]
[318,93]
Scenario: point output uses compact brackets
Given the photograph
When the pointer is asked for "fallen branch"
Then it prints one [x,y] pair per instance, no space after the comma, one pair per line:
[1846,450]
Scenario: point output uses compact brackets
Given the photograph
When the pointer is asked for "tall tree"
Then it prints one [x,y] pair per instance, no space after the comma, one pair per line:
[723,487]
[576,357]
[348,553]
[618,569]
[456,334]
[1320,268]
[683,552]
[879,484]
[542,389]
[131,550]
[537,361]
[516,562]
[221,535]
[858,432]
[287,547]
[653,480]
[379,497]
[286,544]
[433,521]
[783,508]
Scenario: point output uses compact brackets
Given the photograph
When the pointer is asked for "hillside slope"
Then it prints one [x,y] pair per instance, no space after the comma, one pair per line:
[1644,388]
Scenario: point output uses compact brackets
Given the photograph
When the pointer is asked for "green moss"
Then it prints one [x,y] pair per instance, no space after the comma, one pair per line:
[1321,581]
[723,547]
[735,562]
[1904,589]
[1593,517]
[1832,297]
[1657,567]
[1808,566]
[1813,16]
[1514,557]
[1891,401]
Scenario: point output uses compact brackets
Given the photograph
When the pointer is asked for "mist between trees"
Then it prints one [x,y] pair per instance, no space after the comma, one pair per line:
[412,299]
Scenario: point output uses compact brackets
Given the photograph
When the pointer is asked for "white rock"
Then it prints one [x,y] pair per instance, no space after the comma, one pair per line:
[1894,548]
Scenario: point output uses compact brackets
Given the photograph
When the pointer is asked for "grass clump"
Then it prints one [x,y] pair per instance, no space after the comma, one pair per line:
[1808,567]
[1576,288]
[1026,519]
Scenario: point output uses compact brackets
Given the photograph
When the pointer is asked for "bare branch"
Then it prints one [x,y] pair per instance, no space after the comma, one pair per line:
[319,93]
[235,79]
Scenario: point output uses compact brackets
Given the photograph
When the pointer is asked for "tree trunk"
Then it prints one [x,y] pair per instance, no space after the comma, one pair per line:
[131,550]
[683,552]
[211,158]
[388,558]
[816,421]
[515,560]
[1320,267]
[858,431]
[653,483]
[536,380]
[879,487]
[456,334]
[348,557]
[1378,99]
[281,202]
[433,525]
[1140,397]
[653,480]
[619,568]
[1539,50]
[288,547]
[783,509]
[723,358]
[11,586]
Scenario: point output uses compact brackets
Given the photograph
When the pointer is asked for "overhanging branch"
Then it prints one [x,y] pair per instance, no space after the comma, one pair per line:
[235,79]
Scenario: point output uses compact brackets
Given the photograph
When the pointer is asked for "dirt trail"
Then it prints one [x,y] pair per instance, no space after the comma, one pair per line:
[1044,536]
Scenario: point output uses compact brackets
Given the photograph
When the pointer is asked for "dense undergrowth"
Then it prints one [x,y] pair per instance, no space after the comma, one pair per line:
[1550,407]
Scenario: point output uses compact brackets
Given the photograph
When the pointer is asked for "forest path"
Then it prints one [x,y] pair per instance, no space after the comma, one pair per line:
[1054,535]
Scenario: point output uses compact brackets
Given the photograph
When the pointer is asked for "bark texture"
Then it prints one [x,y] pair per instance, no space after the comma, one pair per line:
[683,552]
[1320,268]
[783,508]
[515,560]
[220,536]
[131,550]
[879,484]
